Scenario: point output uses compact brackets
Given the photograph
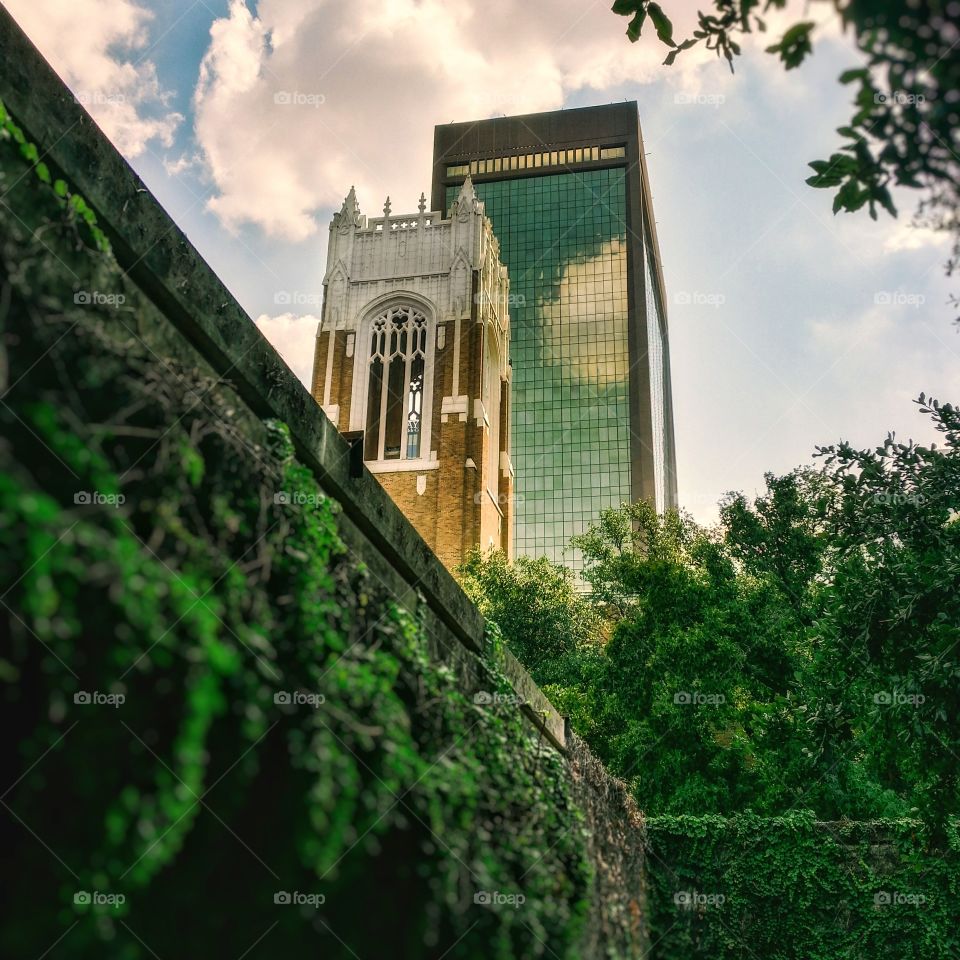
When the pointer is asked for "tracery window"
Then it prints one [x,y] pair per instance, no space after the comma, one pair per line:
[395,386]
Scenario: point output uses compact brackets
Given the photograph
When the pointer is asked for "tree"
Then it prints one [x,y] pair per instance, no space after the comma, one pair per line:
[700,653]
[887,648]
[548,625]
[783,536]
[905,130]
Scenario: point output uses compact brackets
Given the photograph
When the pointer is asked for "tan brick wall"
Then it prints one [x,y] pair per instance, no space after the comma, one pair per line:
[419,509]
[320,365]
[454,513]
[337,373]
[343,384]
[453,489]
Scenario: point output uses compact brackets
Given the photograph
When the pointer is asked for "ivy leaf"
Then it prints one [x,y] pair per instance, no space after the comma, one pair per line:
[882,196]
[858,73]
[662,24]
[636,25]
[794,45]
[825,174]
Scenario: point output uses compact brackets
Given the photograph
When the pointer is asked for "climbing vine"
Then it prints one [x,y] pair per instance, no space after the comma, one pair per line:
[791,887]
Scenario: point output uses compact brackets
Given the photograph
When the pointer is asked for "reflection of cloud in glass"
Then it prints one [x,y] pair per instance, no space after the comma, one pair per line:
[584,325]
[563,238]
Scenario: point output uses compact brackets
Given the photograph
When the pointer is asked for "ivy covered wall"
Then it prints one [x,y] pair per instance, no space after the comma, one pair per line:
[233,726]
[792,888]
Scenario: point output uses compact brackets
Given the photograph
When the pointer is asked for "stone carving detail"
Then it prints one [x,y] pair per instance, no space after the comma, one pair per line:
[466,202]
[337,287]
[348,218]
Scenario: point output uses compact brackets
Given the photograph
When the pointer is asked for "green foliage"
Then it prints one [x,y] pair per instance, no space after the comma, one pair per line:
[699,653]
[885,648]
[535,603]
[905,130]
[72,204]
[794,45]
[792,888]
[270,718]
[802,654]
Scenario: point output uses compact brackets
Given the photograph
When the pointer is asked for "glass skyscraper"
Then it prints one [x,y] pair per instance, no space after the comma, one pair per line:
[592,423]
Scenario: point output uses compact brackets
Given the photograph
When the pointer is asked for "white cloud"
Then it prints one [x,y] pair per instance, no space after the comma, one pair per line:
[907,236]
[292,336]
[840,334]
[296,102]
[93,45]
[181,164]
[604,314]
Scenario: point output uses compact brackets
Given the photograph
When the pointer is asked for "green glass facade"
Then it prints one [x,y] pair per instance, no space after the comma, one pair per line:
[563,239]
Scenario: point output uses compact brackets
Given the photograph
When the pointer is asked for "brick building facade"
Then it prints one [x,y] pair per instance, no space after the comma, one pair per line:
[413,350]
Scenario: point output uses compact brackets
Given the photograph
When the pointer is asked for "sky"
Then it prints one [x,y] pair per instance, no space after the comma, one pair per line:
[789,327]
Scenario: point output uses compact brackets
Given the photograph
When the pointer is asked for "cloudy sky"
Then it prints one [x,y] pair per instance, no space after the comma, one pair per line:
[789,327]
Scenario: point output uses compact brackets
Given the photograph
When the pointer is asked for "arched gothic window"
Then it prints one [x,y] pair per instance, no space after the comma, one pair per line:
[395,385]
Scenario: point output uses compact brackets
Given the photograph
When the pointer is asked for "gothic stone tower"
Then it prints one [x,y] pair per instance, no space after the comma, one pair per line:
[412,349]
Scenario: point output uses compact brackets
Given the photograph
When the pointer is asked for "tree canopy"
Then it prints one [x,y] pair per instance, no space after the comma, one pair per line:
[905,126]
[802,654]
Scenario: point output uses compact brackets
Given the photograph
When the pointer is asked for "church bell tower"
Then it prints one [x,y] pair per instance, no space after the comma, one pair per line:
[413,350]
